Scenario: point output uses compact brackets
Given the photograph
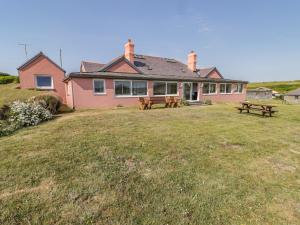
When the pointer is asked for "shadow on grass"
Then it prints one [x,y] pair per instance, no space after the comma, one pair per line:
[257,115]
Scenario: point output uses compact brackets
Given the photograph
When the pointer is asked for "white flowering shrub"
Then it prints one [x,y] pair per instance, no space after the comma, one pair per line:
[28,113]
[23,114]
[7,128]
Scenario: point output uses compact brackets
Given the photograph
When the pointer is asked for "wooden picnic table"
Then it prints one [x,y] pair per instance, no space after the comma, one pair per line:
[169,101]
[265,109]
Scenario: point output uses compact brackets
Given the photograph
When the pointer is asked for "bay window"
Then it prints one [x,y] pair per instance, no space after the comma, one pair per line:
[209,88]
[131,88]
[165,88]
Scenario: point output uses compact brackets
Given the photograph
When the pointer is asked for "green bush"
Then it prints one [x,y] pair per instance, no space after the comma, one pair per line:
[17,80]
[4,74]
[65,109]
[185,102]
[7,79]
[4,112]
[208,102]
[50,102]
[6,128]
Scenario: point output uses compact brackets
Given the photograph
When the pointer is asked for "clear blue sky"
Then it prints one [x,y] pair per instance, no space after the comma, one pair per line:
[255,40]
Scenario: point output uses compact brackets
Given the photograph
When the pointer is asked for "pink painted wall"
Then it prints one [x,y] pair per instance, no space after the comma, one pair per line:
[218,97]
[69,93]
[85,98]
[45,67]
[122,67]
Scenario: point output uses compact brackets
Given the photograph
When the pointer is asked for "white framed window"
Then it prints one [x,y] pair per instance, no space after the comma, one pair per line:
[162,88]
[44,81]
[226,88]
[99,86]
[239,88]
[159,88]
[172,88]
[131,88]
[209,88]
[139,88]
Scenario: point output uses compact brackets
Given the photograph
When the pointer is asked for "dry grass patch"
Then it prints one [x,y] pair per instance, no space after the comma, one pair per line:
[44,187]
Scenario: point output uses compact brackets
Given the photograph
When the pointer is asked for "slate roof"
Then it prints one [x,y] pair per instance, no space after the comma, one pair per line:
[294,92]
[159,66]
[31,60]
[152,65]
[92,66]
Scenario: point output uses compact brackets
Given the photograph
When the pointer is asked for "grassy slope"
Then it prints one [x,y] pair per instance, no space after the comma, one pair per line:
[280,86]
[193,165]
[9,93]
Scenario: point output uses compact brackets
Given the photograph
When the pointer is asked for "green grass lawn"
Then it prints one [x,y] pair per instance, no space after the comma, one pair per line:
[192,165]
[280,86]
[9,93]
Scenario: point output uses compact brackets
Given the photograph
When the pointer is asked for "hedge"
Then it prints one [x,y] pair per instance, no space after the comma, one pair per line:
[4,74]
[8,79]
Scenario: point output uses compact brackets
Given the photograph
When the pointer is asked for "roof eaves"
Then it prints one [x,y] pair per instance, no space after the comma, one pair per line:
[29,61]
[112,75]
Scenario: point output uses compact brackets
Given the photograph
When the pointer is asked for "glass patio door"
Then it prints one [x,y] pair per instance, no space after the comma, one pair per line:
[187,91]
[190,91]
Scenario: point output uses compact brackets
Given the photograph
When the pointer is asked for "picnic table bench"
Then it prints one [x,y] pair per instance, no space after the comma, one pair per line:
[265,109]
[169,101]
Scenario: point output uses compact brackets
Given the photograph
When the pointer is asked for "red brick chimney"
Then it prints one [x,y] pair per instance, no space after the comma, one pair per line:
[192,61]
[129,50]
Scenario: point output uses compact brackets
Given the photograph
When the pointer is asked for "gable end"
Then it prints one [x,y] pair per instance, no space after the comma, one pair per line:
[121,65]
[214,74]
[36,57]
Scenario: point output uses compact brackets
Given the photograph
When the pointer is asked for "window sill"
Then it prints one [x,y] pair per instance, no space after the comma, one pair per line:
[44,88]
[130,96]
[211,94]
[165,95]
[99,94]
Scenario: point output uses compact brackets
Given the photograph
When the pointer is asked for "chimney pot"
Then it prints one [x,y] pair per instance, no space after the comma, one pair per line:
[192,61]
[129,51]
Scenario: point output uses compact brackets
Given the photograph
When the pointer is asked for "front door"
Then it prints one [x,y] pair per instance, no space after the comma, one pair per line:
[190,91]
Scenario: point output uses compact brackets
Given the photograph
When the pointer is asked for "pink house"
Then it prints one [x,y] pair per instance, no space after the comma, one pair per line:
[130,76]
[41,73]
